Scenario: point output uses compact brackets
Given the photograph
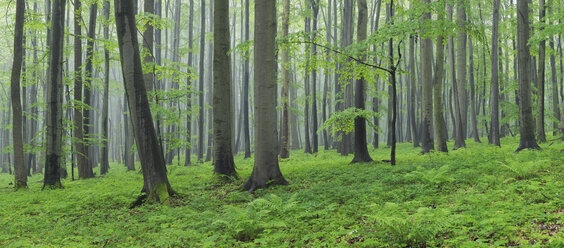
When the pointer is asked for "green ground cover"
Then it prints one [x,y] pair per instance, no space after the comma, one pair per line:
[480,196]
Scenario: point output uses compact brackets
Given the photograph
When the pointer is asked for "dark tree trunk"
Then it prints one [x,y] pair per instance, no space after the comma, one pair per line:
[105,163]
[527,139]
[441,134]
[427,143]
[201,81]
[285,128]
[155,181]
[89,68]
[494,131]
[20,173]
[541,134]
[246,134]
[472,91]
[314,125]
[54,120]
[222,114]
[360,147]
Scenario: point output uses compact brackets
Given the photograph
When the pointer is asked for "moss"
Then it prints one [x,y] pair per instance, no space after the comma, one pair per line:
[160,193]
[20,185]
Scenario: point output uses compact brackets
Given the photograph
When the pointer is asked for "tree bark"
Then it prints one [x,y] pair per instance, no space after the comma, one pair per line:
[201,81]
[246,134]
[494,131]
[155,180]
[440,129]
[54,120]
[222,114]
[461,73]
[314,125]
[105,163]
[266,170]
[427,143]
[20,174]
[541,134]
[88,117]
[472,92]
[188,159]
[527,139]
[360,147]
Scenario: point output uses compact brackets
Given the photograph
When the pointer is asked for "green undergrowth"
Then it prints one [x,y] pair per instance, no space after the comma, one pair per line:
[479,196]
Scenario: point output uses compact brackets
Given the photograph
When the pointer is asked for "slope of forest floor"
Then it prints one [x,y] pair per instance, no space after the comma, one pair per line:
[480,196]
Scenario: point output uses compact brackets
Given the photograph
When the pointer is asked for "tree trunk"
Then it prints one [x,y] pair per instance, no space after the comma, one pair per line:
[494,131]
[20,174]
[472,92]
[427,143]
[54,120]
[89,68]
[246,134]
[527,139]
[201,81]
[266,170]
[360,147]
[148,38]
[222,88]
[188,159]
[541,135]
[210,88]
[155,181]
[314,125]
[461,73]
[285,149]
[105,163]
[440,129]
[307,139]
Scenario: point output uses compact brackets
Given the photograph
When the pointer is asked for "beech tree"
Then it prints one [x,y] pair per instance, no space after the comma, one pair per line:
[266,170]
[155,181]
[20,173]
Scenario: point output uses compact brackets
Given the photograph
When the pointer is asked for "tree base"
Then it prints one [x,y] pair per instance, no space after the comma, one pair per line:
[20,185]
[529,145]
[57,185]
[252,185]
[361,158]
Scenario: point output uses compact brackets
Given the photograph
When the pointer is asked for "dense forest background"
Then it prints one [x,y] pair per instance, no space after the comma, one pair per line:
[155,84]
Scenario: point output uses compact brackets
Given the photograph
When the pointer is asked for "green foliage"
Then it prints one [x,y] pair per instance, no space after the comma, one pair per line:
[343,122]
[479,196]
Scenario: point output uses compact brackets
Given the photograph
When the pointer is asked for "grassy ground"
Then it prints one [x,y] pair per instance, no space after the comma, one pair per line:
[481,196]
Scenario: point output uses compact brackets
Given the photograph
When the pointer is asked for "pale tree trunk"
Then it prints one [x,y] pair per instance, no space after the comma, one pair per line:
[554,83]
[360,147]
[494,131]
[266,170]
[54,120]
[210,88]
[472,92]
[527,139]
[201,81]
[188,159]
[222,114]
[20,174]
[307,139]
[413,87]
[285,151]
[461,73]
[246,134]
[155,181]
[105,163]
[440,129]
[427,143]
[541,135]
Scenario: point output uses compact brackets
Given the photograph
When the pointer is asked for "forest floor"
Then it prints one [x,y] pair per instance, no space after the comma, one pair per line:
[480,196]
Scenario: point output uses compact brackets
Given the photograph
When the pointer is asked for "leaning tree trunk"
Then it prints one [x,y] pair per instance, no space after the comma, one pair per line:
[20,174]
[427,143]
[155,180]
[527,139]
[285,128]
[360,147]
[54,120]
[440,129]
[266,170]
[494,130]
[224,165]
[541,134]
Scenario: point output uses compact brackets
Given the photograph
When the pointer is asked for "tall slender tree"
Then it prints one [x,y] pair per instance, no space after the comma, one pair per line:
[494,130]
[155,180]
[188,159]
[88,117]
[54,121]
[541,134]
[201,80]
[427,143]
[266,170]
[222,115]
[285,128]
[360,147]
[527,135]
[461,71]
[105,163]
[440,129]
[20,174]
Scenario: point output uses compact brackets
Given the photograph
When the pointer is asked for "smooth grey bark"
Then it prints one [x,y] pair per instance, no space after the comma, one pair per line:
[285,128]
[427,143]
[209,145]
[314,125]
[88,118]
[527,137]
[20,174]
[360,147]
[224,166]
[461,73]
[246,129]
[155,180]
[266,170]
[494,130]
[472,91]
[307,27]
[201,81]
[148,41]
[412,88]
[54,120]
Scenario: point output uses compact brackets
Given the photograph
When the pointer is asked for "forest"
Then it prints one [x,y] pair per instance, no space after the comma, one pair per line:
[289,123]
